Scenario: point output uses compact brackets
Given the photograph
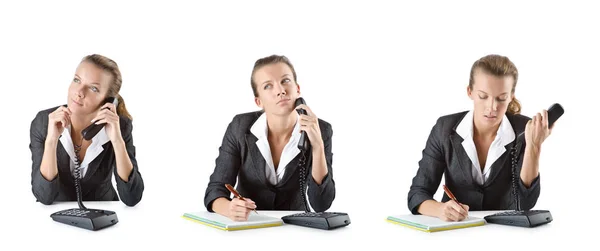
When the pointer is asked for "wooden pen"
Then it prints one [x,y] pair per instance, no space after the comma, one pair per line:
[452,196]
[236,194]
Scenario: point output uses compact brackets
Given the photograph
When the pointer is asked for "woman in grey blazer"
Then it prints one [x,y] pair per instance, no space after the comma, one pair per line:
[473,149]
[57,145]
[260,151]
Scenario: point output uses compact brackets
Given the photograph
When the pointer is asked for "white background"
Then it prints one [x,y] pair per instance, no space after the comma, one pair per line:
[380,72]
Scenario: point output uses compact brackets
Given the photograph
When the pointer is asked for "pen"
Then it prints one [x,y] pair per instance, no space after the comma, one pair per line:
[236,194]
[452,196]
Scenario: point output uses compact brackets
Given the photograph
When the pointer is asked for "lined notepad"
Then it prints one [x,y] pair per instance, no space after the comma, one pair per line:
[433,224]
[221,222]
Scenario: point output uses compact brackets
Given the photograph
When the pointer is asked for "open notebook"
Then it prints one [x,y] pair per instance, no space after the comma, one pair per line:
[433,224]
[224,223]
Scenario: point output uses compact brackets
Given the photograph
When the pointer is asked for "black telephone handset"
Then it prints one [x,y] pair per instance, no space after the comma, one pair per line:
[518,217]
[320,220]
[89,132]
[91,219]
[303,143]
[554,112]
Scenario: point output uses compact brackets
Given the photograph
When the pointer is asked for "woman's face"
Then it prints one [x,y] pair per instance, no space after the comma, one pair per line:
[88,89]
[277,90]
[491,96]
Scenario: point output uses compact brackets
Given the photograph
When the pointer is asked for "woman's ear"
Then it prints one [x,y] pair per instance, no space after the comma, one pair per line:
[258,103]
[298,89]
[469,92]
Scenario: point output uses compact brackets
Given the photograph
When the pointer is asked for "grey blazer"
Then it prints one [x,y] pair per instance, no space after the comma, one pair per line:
[444,154]
[239,158]
[96,184]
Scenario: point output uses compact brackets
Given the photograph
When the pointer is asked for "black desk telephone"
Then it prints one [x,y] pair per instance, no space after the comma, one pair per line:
[321,220]
[524,218]
[91,219]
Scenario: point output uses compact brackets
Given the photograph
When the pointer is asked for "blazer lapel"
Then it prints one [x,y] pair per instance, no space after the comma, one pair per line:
[501,163]
[93,166]
[463,158]
[63,162]
[290,168]
[498,165]
[258,161]
[507,158]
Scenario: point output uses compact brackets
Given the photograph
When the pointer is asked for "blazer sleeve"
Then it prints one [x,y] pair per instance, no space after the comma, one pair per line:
[226,169]
[431,168]
[131,191]
[527,196]
[321,196]
[45,191]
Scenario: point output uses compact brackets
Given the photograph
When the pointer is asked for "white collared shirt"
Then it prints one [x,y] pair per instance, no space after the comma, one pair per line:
[290,151]
[91,153]
[504,136]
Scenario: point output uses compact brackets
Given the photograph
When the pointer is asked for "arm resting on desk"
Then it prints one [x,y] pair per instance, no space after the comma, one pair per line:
[429,175]
[529,185]
[130,189]
[44,171]
[321,193]
[226,170]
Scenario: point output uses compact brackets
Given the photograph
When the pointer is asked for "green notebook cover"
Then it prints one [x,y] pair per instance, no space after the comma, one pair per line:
[221,222]
[433,224]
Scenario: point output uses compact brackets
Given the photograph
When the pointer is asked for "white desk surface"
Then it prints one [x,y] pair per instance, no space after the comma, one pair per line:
[142,227]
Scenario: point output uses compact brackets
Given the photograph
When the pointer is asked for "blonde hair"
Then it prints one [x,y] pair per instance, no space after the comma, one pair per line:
[111,67]
[499,66]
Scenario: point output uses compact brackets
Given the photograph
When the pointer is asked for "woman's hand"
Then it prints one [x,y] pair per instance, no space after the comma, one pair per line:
[58,120]
[108,115]
[238,210]
[309,123]
[536,130]
[452,211]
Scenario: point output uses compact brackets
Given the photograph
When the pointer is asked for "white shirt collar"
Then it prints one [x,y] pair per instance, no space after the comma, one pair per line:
[91,153]
[504,136]
[290,151]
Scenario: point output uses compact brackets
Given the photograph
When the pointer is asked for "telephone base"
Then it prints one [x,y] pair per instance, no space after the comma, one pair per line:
[527,218]
[91,219]
[323,220]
